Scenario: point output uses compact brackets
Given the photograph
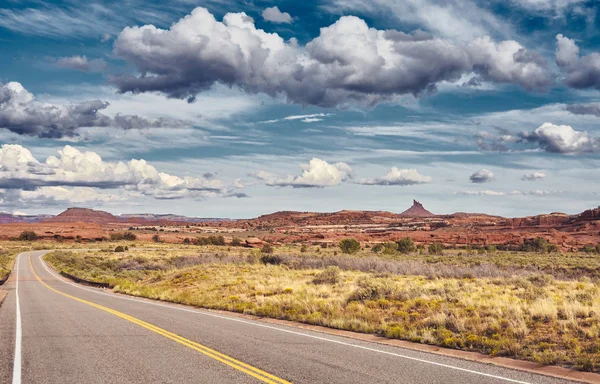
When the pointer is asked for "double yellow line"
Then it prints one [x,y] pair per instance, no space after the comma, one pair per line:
[230,361]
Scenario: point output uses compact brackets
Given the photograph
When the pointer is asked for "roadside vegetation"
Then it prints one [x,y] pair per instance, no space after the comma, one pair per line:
[8,252]
[540,305]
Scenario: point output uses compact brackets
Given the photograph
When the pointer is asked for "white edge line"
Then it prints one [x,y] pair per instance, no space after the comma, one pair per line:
[285,330]
[19,332]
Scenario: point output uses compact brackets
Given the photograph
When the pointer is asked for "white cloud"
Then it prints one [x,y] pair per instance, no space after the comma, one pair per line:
[482,176]
[312,118]
[556,6]
[533,176]
[397,176]
[274,15]
[20,170]
[82,63]
[347,64]
[561,139]
[73,195]
[487,192]
[317,173]
[455,19]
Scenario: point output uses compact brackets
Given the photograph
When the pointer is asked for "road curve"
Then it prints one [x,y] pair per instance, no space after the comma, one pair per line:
[76,334]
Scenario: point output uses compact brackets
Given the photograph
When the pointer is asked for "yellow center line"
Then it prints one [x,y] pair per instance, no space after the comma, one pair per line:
[230,361]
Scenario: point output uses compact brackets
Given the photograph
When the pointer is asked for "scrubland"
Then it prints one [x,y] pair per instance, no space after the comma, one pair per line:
[8,252]
[543,307]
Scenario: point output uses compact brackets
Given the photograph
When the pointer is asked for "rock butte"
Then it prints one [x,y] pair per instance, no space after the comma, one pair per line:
[569,232]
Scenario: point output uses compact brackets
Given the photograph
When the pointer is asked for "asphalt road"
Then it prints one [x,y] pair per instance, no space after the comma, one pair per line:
[76,334]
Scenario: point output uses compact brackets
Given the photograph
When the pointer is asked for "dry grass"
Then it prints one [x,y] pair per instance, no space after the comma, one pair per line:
[507,311]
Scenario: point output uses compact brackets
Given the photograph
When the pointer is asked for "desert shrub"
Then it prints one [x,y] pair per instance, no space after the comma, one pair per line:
[598,248]
[267,249]
[324,245]
[435,249]
[331,275]
[123,236]
[156,238]
[492,249]
[538,244]
[303,249]
[216,240]
[120,248]
[371,289]
[349,246]
[187,241]
[389,248]
[377,248]
[270,259]
[201,241]
[28,236]
[236,242]
[406,245]
[129,236]
[589,249]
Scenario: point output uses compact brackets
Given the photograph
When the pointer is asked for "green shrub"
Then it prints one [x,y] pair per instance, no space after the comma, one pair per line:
[377,248]
[406,245]
[331,275]
[538,244]
[390,248]
[349,246]
[589,249]
[187,241]
[156,238]
[119,248]
[236,242]
[435,248]
[28,236]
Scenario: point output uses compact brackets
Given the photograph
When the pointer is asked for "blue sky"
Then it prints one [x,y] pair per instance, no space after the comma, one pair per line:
[239,108]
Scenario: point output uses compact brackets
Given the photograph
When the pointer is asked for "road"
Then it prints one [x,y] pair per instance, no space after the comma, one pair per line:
[75,334]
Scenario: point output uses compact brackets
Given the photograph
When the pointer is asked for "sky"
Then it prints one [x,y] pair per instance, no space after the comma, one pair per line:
[227,108]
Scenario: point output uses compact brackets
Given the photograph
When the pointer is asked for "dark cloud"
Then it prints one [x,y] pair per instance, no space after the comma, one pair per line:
[579,71]
[585,109]
[21,114]
[482,176]
[347,64]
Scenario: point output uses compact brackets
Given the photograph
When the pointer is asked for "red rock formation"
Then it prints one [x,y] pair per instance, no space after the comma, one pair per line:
[416,210]
[83,215]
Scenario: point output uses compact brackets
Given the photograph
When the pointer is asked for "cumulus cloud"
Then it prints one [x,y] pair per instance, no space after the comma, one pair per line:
[584,109]
[508,62]
[19,170]
[533,176]
[347,64]
[82,63]
[561,139]
[482,176]
[579,71]
[317,173]
[397,176]
[274,15]
[22,114]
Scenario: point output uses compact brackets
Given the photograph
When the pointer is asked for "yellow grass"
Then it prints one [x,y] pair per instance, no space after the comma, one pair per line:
[533,317]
